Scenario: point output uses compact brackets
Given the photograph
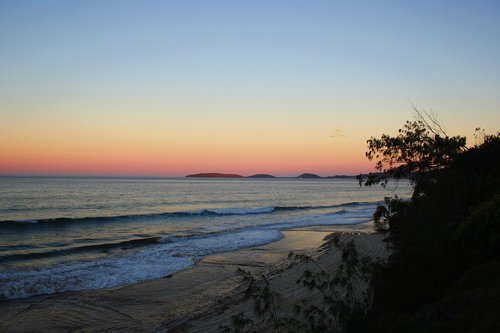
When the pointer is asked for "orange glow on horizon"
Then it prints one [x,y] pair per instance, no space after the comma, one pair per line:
[129,146]
[123,160]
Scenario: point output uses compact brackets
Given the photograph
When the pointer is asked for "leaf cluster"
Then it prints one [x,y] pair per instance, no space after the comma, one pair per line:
[415,153]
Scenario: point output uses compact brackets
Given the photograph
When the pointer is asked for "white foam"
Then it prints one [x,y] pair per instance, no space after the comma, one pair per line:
[172,255]
[146,264]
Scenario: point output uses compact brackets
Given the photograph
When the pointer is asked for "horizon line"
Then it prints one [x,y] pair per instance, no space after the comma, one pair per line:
[159,176]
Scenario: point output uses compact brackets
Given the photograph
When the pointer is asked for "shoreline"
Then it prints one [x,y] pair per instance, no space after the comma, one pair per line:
[188,299]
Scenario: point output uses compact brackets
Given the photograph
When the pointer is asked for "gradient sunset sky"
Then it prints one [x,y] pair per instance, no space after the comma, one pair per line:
[167,88]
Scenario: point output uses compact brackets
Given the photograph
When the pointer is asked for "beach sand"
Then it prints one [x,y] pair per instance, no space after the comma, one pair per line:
[198,299]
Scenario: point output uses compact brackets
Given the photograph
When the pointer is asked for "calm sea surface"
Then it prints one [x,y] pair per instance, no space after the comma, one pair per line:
[59,234]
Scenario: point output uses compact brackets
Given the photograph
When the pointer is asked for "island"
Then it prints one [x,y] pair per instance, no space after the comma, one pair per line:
[308,175]
[261,175]
[215,175]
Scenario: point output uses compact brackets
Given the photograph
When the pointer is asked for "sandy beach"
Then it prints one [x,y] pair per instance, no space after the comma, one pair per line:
[197,299]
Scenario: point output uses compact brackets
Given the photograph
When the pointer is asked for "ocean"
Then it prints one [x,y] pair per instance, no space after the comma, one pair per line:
[62,234]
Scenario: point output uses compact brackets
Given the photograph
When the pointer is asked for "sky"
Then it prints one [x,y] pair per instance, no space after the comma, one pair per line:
[168,88]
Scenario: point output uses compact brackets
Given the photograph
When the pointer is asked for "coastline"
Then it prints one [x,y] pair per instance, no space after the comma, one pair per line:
[198,298]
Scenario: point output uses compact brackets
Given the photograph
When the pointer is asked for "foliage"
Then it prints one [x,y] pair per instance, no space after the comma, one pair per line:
[449,228]
[469,305]
[478,236]
[416,152]
[382,214]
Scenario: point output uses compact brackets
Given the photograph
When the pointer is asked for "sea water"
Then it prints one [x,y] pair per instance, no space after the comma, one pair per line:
[61,234]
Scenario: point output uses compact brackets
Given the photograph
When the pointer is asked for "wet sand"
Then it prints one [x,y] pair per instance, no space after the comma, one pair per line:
[197,299]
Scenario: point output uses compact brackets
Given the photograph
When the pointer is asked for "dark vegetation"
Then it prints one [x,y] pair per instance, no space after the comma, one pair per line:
[444,271]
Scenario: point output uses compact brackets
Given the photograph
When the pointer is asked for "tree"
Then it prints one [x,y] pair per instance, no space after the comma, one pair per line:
[443,270]
[420,148]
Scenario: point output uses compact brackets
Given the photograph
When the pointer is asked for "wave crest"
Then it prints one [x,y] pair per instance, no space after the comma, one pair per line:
[194,213]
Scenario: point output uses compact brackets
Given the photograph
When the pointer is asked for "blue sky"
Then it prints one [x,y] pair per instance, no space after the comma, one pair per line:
[354,65]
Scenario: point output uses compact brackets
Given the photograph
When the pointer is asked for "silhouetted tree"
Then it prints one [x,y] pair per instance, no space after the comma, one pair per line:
[420,148]
[444,267]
